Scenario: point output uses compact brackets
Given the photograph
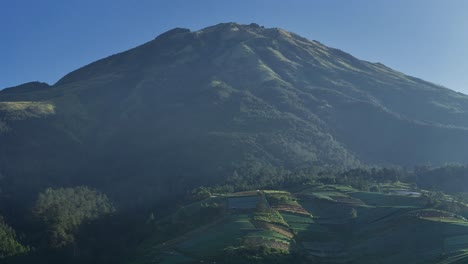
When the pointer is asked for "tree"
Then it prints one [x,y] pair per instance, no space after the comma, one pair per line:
[9,245]
[375,188]
[200,193]
[63,210]
[434,199]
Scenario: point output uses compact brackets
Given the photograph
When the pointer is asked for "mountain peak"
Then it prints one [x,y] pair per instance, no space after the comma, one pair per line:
[173,32]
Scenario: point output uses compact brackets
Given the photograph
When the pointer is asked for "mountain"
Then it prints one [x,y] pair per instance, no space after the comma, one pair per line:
[190,108]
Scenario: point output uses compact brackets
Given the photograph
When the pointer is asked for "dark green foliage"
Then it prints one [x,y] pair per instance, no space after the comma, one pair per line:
[364,178]
[438,200]
[9,245]
[276,198]
[434,199]
[255,175]
[451,178]
[374,188]
[269,216]
[64,210]
[200,193]
[110,238]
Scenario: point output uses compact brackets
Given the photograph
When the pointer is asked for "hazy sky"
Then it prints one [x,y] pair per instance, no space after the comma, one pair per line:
[42,40]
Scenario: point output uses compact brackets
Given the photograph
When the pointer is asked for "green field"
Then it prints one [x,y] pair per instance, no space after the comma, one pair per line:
[387,200]
[382,228]
[268,234]
[215,239]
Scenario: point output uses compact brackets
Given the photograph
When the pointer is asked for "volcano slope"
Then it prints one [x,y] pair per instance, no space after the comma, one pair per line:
[188,108]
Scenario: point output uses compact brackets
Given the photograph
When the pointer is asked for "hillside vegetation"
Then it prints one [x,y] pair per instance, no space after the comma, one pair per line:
[233,144]
[210,101]
[315,223]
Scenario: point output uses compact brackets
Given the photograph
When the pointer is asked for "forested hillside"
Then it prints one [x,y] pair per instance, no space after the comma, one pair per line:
[123,141]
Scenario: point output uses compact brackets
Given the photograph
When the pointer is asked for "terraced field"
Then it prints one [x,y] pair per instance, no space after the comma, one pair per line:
[327,223]
[215,239]
[460,257]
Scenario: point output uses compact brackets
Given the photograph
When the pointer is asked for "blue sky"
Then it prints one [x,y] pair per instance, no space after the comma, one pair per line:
[44,40]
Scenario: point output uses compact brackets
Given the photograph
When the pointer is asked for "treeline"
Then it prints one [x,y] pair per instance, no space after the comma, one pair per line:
[9,244]
[450,178]
[52,225]
[257,176]
[74,225]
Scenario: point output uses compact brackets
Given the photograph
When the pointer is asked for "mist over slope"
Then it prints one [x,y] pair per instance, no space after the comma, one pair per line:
[188,108]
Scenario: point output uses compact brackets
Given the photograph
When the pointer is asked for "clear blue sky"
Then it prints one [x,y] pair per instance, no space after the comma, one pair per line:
[45,39]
